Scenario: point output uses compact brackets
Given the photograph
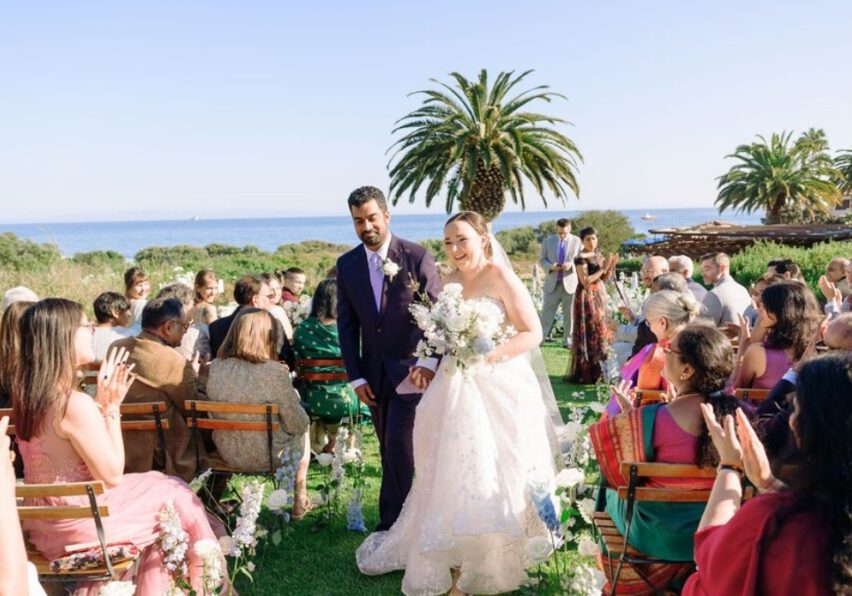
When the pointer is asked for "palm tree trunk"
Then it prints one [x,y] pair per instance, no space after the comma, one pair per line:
[773,214]
[487,195]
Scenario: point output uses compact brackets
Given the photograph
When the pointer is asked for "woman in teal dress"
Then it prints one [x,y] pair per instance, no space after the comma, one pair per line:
[329,402]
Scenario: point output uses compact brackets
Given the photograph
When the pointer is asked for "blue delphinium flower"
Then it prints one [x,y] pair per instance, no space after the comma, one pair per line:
[354,515]
[544,507]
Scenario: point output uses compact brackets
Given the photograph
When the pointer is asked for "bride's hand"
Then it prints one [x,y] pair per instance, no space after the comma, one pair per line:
[420,377]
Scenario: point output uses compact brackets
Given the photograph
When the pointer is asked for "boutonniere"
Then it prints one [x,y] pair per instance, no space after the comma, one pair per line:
[390,268]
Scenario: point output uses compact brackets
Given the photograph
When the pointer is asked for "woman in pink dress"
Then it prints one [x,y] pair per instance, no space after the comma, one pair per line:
[66,436]
[788,316]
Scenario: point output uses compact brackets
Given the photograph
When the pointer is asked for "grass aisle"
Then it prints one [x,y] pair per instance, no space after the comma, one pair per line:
[320,559]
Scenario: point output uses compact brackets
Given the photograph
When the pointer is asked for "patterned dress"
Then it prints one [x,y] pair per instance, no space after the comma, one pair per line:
[590,333]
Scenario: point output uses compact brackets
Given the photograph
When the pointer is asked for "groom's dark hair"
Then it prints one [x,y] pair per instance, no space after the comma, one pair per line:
[365,194]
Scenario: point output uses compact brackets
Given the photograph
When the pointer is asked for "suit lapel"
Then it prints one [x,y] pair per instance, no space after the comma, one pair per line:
[394,250]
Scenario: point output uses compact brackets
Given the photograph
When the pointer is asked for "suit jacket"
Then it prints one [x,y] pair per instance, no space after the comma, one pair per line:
[725,301]
[163,375]
[381,343]
[699,291]
[549,256]
[219,331]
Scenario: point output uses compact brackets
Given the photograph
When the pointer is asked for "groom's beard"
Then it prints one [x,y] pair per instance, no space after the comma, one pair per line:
[374,240]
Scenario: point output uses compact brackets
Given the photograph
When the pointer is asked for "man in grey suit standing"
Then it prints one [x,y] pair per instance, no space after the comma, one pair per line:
[727,300]
[560,282]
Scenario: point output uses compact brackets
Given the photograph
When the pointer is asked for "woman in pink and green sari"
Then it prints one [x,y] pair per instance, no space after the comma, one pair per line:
[698,361]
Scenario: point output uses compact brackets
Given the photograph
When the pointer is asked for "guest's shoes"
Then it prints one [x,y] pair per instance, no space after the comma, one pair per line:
[301,509]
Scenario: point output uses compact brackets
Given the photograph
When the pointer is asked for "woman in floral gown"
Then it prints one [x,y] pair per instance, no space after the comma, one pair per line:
[590,333]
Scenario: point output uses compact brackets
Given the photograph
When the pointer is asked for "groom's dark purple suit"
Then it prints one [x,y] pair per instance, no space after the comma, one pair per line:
[378,346]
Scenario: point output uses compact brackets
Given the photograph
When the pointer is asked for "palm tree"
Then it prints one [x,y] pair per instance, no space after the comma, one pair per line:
[783,178]
[482,145]
[843,162]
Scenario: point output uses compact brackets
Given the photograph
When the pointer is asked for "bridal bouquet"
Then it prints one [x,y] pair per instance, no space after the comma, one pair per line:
[453,326]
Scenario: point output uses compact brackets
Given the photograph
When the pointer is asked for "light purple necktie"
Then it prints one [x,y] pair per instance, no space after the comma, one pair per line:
[376,278]
[561,259]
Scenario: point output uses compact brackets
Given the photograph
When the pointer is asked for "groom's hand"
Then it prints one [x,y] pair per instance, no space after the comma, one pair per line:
[420,377]
[366,395]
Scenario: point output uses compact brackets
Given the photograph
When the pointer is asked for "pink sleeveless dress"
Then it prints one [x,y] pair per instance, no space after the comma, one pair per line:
[777,363]
[134,507]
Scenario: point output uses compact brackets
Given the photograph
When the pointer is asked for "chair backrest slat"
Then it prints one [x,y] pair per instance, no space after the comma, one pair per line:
[752,394]
[143,408]
[669,495]
[231,408]
[208,424]
[57,513]
[140,425]
[70,489]
[664,470]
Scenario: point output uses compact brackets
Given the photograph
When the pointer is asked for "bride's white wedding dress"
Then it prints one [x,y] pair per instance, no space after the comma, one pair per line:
[480,443]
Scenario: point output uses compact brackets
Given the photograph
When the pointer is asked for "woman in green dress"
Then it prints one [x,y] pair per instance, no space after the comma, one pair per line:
[315,338]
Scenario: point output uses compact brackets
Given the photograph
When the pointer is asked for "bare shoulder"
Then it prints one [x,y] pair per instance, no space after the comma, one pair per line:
[502,278]
[78,410]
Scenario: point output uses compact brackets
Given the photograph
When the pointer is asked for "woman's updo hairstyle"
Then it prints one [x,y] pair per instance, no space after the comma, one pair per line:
[677,308]
[479,225]
[588,231]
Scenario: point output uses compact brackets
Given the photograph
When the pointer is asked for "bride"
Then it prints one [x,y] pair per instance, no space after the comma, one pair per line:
[480,445]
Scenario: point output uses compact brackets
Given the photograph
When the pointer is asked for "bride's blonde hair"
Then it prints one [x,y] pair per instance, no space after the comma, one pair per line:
[479,225]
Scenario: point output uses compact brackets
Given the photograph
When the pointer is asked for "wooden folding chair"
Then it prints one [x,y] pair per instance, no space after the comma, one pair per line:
[643,397]
[198,423]
[147,416]
[306,370]
[90,374]
[751,394]
[621,555]
[110,569]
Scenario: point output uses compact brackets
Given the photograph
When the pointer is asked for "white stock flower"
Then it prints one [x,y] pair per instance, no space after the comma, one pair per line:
[572,429]
[118,589]
[325,459]
[351,455]
[570,477]
[597,407]
[205,548]
[277,500]
[453,289]
[457,323]
[390,269]
[225,543]
[587,508]
[588,547]
[250,567]
[538,549]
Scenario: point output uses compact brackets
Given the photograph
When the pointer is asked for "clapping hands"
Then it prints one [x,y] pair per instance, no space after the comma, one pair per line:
[740,447]
[114,378]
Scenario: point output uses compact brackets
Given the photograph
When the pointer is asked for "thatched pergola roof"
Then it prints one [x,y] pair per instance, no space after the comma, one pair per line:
[726,237]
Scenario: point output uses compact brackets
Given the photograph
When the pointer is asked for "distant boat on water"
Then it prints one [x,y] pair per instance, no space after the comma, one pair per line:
[648,217]
[193,218]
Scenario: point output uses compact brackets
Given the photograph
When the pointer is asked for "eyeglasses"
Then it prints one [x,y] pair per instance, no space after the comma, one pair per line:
[668,349]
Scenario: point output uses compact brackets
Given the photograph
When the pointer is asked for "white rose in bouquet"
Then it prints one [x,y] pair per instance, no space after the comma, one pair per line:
[538,549]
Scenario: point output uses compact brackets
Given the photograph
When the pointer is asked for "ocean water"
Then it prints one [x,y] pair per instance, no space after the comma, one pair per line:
[128,237]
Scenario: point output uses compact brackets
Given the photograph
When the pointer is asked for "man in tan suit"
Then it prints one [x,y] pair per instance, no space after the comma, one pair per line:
[162,375]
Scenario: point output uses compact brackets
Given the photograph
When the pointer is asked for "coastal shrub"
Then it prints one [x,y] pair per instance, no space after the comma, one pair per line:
[519,241]
[181,255]
[749,264]
[100,258]
[227,250]
[434,246]
[24,255]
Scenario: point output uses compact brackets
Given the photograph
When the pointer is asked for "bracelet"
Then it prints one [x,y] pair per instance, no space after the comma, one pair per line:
[112,413]
[733,467]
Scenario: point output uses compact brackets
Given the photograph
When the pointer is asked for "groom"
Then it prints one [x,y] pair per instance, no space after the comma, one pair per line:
[378,335]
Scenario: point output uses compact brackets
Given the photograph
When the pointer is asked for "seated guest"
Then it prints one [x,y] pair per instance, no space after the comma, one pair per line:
[697,364]
[683,264]
[203,311]
[137,286]
[162,374]
[196,339]
[756,291]
[787,319]
[626,335]
[276,310]
[10,343]
[18,294]
[250,290]
[796,536]
[246,371]
[786,268]
[294,284]
[667,312]
[836,301]
[316,338]
[835,272]
[665,281]
[774,412]
[727,299]
[113,316]
[66,436]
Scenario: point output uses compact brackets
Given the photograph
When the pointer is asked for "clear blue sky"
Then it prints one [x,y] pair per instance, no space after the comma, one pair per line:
[157,108]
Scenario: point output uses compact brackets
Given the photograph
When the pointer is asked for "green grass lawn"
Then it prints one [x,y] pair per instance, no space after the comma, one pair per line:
[319,558]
